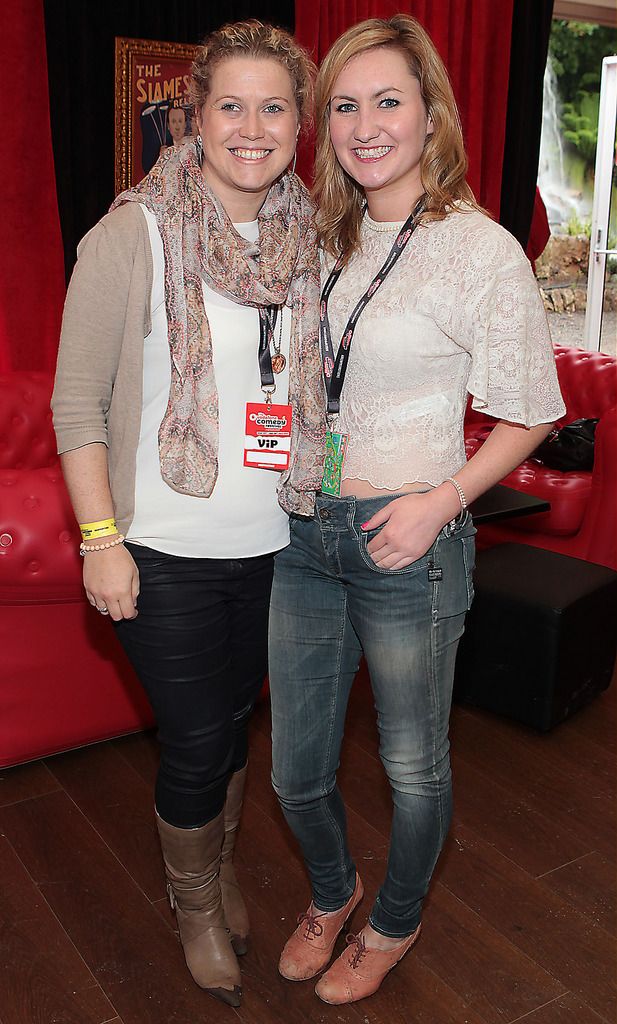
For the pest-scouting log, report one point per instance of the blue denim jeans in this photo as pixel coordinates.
(331, 603)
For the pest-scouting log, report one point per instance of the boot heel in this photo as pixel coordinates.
(240, 944)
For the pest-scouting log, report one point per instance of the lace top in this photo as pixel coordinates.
(459, 312)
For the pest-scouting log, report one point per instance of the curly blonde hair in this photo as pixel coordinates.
(443, 165)
(255, 39)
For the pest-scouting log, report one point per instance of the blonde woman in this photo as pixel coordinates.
(193, 307)
(424, 300)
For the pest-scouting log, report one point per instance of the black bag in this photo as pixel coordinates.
(570, 448)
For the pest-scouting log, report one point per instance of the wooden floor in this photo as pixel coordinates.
(519, 926)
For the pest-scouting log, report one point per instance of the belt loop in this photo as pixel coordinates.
(351, 511)
(456, 524)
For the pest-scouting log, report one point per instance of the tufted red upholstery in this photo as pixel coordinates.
(26, 434)
(581, 521)
(65, 680)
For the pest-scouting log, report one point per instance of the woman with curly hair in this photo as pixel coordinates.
(192, 309)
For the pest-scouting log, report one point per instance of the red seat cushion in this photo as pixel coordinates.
(39, 539)
(27, 439)
(567, 493)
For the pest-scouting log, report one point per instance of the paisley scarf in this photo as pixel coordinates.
(201, 244)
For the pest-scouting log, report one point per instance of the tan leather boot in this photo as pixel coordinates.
(192, 860)
(236, 914)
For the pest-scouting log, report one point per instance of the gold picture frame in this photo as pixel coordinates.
(151, 79)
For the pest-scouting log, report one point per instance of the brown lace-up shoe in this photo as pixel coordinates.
(310, 947)
(359, 970)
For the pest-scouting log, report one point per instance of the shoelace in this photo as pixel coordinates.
(360, 950)
(313, 928)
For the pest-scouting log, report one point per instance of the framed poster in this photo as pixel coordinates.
(152, 108)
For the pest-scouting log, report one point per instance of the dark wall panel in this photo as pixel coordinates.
(531, 28)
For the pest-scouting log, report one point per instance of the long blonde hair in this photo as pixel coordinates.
(255, 39)
(443, 164)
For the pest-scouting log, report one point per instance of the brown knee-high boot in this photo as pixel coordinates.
(236, 914)
(192, 860)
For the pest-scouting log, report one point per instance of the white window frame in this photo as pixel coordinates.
(598, 250)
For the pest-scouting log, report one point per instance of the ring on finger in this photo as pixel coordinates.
(103, 610)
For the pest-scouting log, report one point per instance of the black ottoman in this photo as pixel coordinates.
(541, 637)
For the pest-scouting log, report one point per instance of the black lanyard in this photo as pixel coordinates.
(267, 323)
(334, 369)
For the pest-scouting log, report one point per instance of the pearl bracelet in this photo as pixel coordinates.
(83, 548)
(459, 491)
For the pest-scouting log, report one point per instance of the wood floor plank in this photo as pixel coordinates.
(589, 885)
(565, 798)
(598, 720)
(479, 962)
(501, 815)
(164, 909)
(595, 764)
(24, 782)
(557, 749)
(568, 1009)
(141, 751)
(132, 953)
(498, 945)
(120, 805)
(562, 941)
(42, 976)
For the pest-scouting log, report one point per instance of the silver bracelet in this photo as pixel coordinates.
(459, 491)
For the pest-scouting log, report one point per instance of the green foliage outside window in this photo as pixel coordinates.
(576, 50)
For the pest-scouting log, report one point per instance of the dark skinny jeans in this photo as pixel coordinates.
(199, 648)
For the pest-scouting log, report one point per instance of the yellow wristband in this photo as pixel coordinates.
(104, 528)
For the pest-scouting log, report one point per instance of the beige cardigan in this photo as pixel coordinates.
(98, 390)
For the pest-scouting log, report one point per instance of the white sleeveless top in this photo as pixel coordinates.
(460, 312)
(242, 517)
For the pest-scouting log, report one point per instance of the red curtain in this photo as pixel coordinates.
(31, 261)
(473, 38)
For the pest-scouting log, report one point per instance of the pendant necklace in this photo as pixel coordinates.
(278, 359)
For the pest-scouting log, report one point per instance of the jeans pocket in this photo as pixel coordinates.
(453, 587)
(295, 521)
(364, 538)
(469, 558)
(149, 558)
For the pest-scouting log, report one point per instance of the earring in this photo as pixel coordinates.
(199, 149)
(293, 164)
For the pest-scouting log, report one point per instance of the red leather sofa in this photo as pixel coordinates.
(64, 680)
(582, 521)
